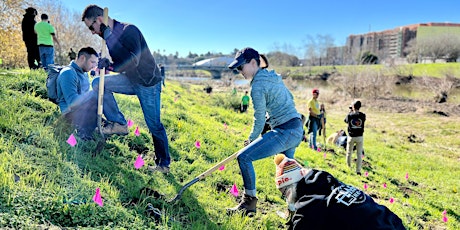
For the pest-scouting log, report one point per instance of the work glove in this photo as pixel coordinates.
(105, 31)
(103, 63)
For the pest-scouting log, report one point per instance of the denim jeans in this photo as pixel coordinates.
(46, 55)
(149, 98)
(282, 139)
(314, 128)
(83, 114)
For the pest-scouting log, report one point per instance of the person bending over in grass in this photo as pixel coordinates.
(77, 102)
(269, 96)
(317, 200)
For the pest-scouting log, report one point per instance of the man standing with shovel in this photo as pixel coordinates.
(138, 75)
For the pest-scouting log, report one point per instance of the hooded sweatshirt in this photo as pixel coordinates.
(270, 96)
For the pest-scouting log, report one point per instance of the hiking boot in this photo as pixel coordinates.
(247, 205)
(115, 128)
(162, 169)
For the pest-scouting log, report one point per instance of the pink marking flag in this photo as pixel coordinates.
(130, 123)
(365, 186)
(97, 197)
(222, 167)
(139, 162)
(234, 190)
(136, 132)
(319, 149)
(225, 125)
(324, 155)
(384, 185)
(445, 219)
(366, 174)
(444, 216)
(197, 144)
(392, 200)
(407, 176)
(71, 140)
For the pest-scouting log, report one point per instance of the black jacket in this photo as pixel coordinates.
(326, 203)
(131, 55)
(28, 33)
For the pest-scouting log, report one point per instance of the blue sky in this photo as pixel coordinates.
(220, 26)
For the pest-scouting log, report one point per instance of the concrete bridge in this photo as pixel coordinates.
(213, 65)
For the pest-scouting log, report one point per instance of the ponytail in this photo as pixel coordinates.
(263, 61)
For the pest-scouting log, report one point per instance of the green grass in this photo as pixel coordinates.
(57, 182)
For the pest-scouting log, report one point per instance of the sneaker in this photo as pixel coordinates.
(247, 205)
(162, 169)
(115, 128)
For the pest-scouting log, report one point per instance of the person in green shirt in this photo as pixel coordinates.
(45, 37)
(245, 102)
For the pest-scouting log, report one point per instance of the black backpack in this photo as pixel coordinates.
(51, 81)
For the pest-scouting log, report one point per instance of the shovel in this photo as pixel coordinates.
(203, 175)
(100, 99)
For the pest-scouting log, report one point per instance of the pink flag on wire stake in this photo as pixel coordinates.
(444, 212)
(384, 185)
(365, 186)
(139, 162)
(234, 190)
(97, 197)
(392, 200)
(407, 176)
(222, 167)
(136, 132)
(130, 123)
(445, 219)
(324, 155)
(71, 140)
(197, 144)
(366, 174)
(225, 125)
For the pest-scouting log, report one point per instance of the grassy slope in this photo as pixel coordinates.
(33, 147)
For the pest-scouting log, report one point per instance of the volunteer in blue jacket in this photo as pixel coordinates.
(75, 99)
(269, 96)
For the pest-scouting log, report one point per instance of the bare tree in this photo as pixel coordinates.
(70, 30)
(435, 47)
(316, 48)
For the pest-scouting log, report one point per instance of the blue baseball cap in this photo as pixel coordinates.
(244, 56)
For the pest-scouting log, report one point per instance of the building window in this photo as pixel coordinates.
(381, 44)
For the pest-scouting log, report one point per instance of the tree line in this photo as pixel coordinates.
(72, 33)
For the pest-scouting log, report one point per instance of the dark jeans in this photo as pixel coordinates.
(149, 98)
(83, 115)
(33, 55)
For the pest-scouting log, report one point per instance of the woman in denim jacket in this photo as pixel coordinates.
(269, 97)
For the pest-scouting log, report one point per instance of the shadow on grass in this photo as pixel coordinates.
(137, 191)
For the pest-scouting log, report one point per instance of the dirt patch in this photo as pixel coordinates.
(402, 105)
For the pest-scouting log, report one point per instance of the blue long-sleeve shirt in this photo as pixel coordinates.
(72, 84)
(131, 55)
(270, 96)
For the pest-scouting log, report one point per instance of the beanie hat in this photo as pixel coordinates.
(288, 171)
(315, 91)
